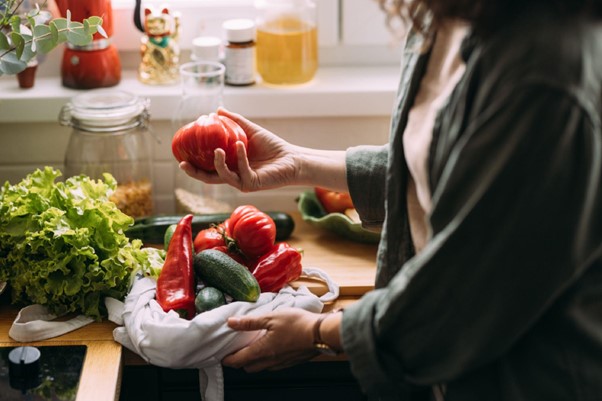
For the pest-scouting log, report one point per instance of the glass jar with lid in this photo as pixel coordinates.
(110, 134)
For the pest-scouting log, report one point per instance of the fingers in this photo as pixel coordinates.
(287, 340)
(248, 323)
(244, 168)
(248, 126)
(254, 354)
(201, 175)
(228, 176)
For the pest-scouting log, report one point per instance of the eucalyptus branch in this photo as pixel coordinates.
(17, 48)
(49, 35)
(10, 11)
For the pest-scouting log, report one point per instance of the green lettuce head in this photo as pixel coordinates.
(62, 244)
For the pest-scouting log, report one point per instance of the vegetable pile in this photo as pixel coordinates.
(238, 258)
(62, 244)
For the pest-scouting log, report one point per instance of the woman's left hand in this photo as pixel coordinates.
(288, 340)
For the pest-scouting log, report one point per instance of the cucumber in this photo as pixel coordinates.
(151, 230)
(168, 234)
(216, 269)
(209, 298)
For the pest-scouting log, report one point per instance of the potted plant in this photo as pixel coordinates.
(24, 35)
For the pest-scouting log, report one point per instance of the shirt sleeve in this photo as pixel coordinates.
(366, 169)
(515, 220)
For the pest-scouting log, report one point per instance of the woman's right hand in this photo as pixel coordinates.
(269, 162)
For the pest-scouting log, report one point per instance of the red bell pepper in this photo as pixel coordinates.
(176, 282)
(278, 267)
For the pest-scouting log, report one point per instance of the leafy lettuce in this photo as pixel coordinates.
(62, 244)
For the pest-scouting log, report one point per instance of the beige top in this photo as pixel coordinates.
(444, 69)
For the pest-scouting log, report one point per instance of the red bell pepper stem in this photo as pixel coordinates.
(176, 282)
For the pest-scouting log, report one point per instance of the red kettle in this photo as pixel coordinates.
(97, 64)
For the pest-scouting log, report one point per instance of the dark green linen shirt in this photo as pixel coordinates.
(505, 301)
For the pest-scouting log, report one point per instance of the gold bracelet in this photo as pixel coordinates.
(319, 344)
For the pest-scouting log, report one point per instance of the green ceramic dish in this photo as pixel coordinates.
(312, 212)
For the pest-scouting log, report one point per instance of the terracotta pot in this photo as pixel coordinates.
(27, 77)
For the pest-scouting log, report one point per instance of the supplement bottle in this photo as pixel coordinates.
(239, 52)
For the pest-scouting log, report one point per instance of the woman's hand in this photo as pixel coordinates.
(288, 340)
(269, 163)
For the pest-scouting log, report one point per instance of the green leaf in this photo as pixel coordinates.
(54, 32)
(41, 30)
(28, 53)
(10, 64)
(86, 27)
(18, 43)
(44, 38)
(96, 26)
(32, 22)
(4, 45)
(60, 23)
(94, 20)
(61, 26)
(15, 23)
(77, 35)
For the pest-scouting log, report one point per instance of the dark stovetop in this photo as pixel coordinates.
(56, 380)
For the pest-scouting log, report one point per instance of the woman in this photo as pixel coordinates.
(489, 271)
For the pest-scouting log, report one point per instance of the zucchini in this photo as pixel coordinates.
(151, 230)
(216, 269)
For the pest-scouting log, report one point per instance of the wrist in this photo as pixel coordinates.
(325, 168)
(326, 333)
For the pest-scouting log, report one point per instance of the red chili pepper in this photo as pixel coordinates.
(278, 267)
(176, 282)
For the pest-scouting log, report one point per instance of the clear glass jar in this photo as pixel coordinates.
(287, 41)
(202, 93)
(110, 134)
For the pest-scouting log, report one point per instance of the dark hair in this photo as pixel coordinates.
(486, 16)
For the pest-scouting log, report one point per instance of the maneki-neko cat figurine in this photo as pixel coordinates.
(160, 50)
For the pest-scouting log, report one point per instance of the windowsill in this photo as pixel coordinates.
(335, 91)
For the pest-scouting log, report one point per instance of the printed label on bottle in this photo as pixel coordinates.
(240, 65)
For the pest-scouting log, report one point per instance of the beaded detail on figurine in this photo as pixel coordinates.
(160, 50)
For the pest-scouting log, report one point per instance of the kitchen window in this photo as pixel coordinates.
(350, 32)
(357, 76)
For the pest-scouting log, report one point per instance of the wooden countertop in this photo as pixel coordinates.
(351, 265)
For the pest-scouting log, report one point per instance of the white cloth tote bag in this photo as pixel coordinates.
(165, 339)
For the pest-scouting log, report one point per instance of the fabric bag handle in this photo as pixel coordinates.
(35, 323)
(316, 273)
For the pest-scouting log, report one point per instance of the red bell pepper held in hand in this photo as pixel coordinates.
(278, 267)
(176, 282)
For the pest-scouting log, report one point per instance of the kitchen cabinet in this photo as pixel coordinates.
(311, 380)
